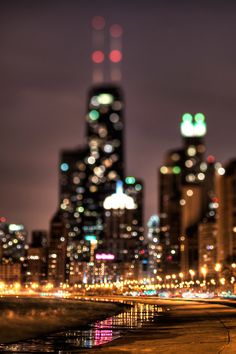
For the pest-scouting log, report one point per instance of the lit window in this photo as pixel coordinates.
(114, 118)
(191, 151)
(130, 180)
(138, 187)
(164, 170)
(189, 163)
(175, 157)
(105, 98)
(221, 171)
(189, 192)
(176, 170)
(94, 115)
(91, 160)
(64, 167)
(201, 176)
(108, 148)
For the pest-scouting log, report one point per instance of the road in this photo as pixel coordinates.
(186, 327)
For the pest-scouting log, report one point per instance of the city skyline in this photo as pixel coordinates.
(29, 178)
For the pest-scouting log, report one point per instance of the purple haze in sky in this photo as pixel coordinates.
(178, 57)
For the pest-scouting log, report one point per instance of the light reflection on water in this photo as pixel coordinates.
(101, 332)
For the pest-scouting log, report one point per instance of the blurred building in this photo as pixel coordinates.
(10, 272)
(207, 240)
(187, 193)
(37, 254)
(154, 246)
(123, 243)
(227, 213)
(87, 176)
(39, 238)
(13, 239)
(58, 266)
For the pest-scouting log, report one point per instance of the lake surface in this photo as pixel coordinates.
(98, 333)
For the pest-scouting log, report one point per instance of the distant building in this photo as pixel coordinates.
(13, 239)
(154, 246)
(187, 192)
(39, 238)
(227, 213)
(37, 255)
(58, 266)
(10, 272)
(207, 234)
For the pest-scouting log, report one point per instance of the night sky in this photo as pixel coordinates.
(178, 57)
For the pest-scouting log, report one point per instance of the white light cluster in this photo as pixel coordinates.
(119, 200)
(14, 227)
(193, 126)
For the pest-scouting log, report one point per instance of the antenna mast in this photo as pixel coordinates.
(97, 56)
(115, 54)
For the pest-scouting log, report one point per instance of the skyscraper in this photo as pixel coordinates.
(227, 213)
(87, 176)
(184, 196)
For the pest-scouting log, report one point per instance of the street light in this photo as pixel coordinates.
(218, 267)
(204, 273)
(192, 273)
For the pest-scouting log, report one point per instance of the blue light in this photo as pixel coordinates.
(90, 238)
(119, 187)
(64, 167)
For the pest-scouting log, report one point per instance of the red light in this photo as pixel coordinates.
(97, 56)
(169, 258)
(211, 159)
(3, 219)
(115, 56)
(141, 252)
(98, 22)
(116, 31)
(215, 200)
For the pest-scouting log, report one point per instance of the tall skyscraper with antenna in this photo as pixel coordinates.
(88, 175)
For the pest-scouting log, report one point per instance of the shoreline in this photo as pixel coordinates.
(27, 318)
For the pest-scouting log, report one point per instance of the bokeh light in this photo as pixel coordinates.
(115, 56)
(98, 22)
(116, 31)
(97, 56)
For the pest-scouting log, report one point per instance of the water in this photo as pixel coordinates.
(99, 333)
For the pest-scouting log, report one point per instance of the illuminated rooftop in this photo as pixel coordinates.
(119, 200)
(193, 125)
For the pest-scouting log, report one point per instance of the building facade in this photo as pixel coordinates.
(87, 176)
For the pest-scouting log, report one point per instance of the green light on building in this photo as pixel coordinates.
(138, 187)
(199, 117)
(187, 117)
(94, 115)
(190, 127)
(130, 180)
(176, 170)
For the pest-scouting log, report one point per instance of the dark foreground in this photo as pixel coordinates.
(159, 326)
(22, 318)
